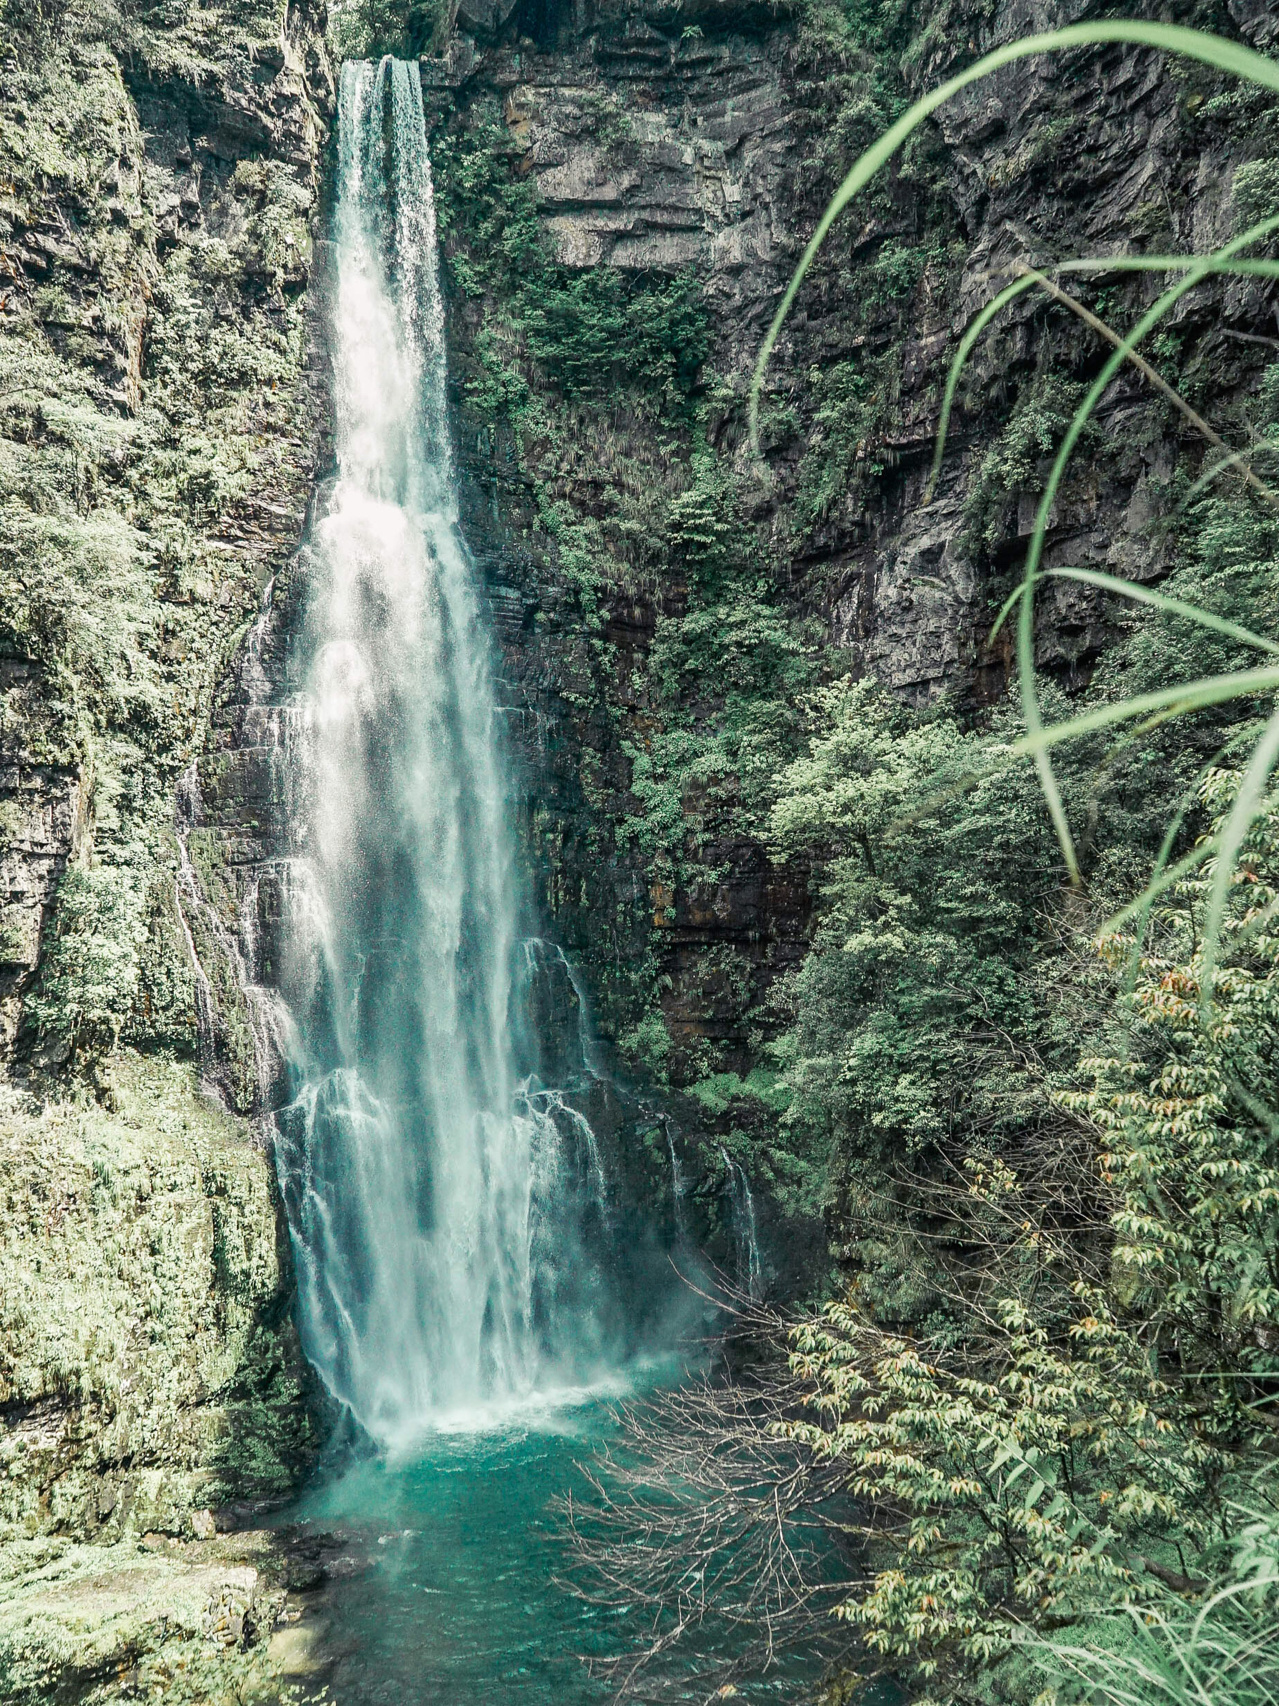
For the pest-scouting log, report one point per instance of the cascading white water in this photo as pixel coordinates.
(435, 1202)
(743, 1224)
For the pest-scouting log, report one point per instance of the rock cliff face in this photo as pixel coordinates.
(156, 458)
(158, 416)
(157, 439)
(658, 142)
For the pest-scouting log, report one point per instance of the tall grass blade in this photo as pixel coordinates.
(1249, 803)
(1030, 276)
(1188, 696)
(1161, 601)
(1025, 626)
(1168, 38)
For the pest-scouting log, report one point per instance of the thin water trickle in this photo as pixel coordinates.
(678, 1187)
(441, 1211)
(744, 1226)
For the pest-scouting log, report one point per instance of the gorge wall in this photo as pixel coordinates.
(626, 190)
(623, 191)
(159, 415)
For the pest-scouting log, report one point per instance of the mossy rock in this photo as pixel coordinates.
(149, 1365)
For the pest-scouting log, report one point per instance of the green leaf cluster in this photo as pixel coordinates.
(1047, 1466)
(366, 29)
(89, 963)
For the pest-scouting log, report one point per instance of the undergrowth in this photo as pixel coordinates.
(1027, 1070)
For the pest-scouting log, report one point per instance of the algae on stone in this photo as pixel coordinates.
(149, 1367)
(97, 1623)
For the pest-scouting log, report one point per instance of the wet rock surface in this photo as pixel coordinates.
(247, 1610)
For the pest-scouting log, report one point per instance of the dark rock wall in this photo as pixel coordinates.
(701, 181)
(660, 139)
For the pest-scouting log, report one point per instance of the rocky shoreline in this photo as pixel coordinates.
(244, 1612)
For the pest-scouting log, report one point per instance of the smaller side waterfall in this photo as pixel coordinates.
(679, 1187)
(744, 1226)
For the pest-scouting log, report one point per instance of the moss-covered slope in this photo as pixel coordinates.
(149, 1368)
(157, 188)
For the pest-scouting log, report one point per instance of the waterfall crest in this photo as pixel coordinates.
(437, 1204)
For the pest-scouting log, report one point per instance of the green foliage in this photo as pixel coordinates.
(591, 333)
(852, 403)
(704, 524)
(934, 898)
(1038, 1468)
(1190, 1144)
(719, 1092)
(1075, 1410)
(858, 43)
(1227, 551)
(89, 963)
(649, 1044)
(1168, 1652)
(1255, 192)
(1048, 1488)
(608, 122)
(1014, 464)
(723, 674)
(366, 29)
(487, 213)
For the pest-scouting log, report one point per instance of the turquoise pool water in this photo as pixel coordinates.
(461, 1604)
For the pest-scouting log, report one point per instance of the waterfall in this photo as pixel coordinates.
(744, 1226)
(678, 1187)
(436, 1202)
